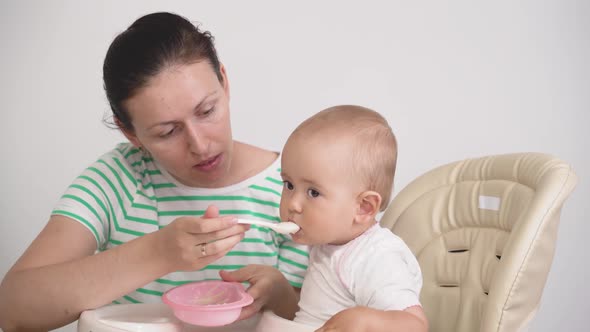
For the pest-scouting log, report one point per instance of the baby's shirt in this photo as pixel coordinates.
(377, 270)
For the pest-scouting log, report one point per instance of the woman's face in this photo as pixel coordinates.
(182, 118)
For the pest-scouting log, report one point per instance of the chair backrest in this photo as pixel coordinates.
(484, 233)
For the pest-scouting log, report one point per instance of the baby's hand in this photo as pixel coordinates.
(410, 319)
(353, 320)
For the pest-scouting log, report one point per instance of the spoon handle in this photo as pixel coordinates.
(256, 222)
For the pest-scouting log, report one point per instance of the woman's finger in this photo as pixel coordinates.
(227, 232)
(250, 310)
(207, 253)
(208, 225)
(240, 275)
(220, 247)
(222, 234)
(212, 211)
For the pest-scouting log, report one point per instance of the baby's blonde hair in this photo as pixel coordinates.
(373, 143)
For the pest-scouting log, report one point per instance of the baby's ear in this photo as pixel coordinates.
(369, 203)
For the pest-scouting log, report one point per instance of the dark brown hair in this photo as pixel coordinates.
(152, 43)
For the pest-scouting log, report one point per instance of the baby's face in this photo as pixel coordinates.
(318, 193)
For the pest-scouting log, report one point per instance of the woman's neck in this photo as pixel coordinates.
(248, 160)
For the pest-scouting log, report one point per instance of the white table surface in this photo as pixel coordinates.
(157, 317)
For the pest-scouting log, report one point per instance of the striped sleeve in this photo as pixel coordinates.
(86, 201)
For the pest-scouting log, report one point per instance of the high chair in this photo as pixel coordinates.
(484, 233)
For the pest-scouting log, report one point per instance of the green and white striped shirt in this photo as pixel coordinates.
(125, 194)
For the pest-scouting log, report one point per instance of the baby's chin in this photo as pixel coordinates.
(300, 238)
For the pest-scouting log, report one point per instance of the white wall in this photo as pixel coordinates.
(455, 80)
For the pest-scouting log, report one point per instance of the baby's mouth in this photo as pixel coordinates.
(300, 229)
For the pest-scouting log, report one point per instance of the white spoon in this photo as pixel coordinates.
(280, 227)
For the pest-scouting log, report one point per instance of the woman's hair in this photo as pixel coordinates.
(152, 43)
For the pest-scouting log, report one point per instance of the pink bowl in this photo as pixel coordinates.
(207, 303)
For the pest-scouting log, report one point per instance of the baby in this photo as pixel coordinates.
(338, 168)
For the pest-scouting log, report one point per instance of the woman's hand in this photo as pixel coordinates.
(269, 288)
(191, 243)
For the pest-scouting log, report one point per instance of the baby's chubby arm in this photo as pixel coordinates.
(359, 319)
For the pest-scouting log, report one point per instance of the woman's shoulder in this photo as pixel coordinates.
(255, 160)
(121, 150)
(125, 159)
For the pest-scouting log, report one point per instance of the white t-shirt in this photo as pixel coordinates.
(126, 194)
(376, 270)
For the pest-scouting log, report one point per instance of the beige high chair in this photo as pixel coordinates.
(484, 233)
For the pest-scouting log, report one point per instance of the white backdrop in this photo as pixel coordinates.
(456, 80)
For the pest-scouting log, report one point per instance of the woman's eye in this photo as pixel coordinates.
(313, 193)
(207, 112)
(168, 133)
(288, 185)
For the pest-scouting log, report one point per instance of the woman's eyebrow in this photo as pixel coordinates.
(206, 98)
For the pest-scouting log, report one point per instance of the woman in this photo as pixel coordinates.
(160, 210)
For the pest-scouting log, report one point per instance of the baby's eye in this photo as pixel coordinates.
(288, 185)
(313, 193)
